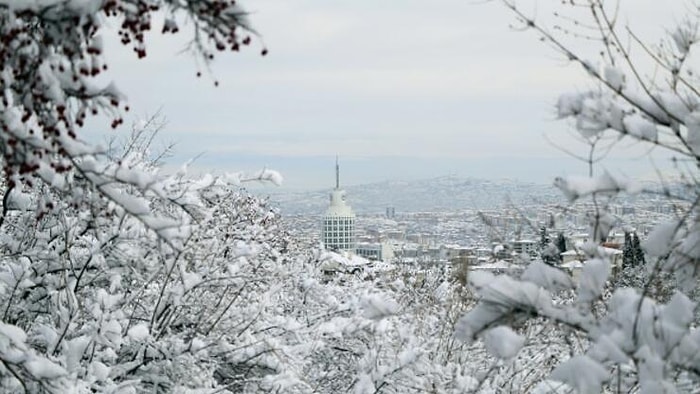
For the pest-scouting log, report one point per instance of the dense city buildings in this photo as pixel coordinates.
(490, 238)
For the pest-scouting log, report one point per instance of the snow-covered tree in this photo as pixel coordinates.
(561, 243)
(544, 238)
(52, 53)
(115, 277)
(635, 338)
(638, 251)
(155, 283)
(628, 252)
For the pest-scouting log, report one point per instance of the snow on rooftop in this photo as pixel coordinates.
(573, 264)
(345, 259)
(571, 253)
(496, 265)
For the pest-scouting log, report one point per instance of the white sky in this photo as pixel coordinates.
(398, 89)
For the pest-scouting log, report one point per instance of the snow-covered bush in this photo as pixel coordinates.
(634, 338)
(114, 277)
(131, 279)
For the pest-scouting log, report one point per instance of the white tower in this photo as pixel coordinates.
(339, 221)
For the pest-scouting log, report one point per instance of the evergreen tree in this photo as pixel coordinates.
(548, 251)
(561, 243)
(544, 238)
(628, 255)
(637, 251)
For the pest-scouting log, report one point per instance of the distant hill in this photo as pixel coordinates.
(447, 193)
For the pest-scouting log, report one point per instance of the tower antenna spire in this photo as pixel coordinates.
(337, 173)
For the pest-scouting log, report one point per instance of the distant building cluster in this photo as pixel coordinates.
(496, 239)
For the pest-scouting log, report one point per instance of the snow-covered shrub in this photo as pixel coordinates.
(636, 333)
(129, 279)
(113, 276)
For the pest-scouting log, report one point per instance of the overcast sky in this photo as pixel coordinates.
(398, 89)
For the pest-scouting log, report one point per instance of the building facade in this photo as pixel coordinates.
(338, 230)
(382, 251)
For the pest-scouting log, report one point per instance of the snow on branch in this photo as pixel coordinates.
(577, 187)
(49, 76)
